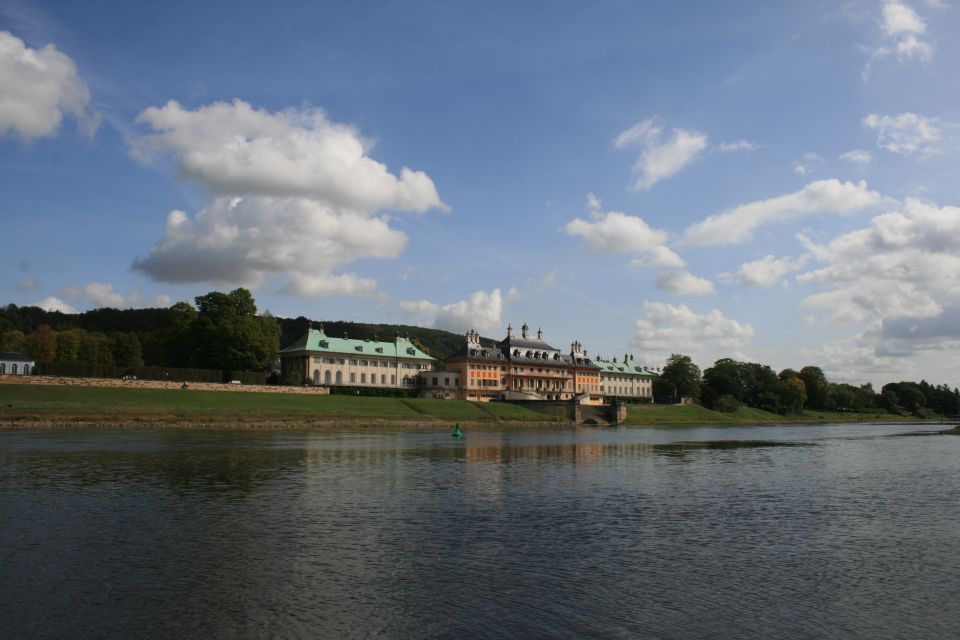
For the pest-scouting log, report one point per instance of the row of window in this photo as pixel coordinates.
(368, 363)
(336, 378)
(13, 369)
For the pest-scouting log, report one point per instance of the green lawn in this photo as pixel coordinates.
(39, 403)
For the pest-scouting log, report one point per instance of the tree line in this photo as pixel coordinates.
(730, 384)
(217, 331)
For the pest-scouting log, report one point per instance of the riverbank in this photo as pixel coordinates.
(37, 402)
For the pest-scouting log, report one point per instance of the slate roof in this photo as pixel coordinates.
(317, 341)
(11, 356)
(608, 366)
(502, 353)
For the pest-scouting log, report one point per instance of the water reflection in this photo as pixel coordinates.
(569, 534)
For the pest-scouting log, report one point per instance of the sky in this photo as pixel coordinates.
(771, 182)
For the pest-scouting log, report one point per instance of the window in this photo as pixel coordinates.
(339, 377)
(363, 378)
(363, 363)
(316, 359)
(446, 382)
(353, 377)
(326, 377)
(26, 369)
(383, 378)
(328, 361)
(341, 361)
(434, 380)
(393, 379)
(13, 369)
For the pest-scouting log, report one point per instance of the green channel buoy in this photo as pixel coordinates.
(457, 433)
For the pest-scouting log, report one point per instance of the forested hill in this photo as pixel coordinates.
(151, 326)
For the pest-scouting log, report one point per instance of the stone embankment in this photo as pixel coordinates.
(159, 384)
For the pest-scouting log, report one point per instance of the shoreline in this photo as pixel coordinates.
(49, 402)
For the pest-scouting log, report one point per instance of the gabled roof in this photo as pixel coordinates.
(317, 341)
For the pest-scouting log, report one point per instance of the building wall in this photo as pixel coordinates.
(357, 370)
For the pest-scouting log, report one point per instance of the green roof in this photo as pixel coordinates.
(317, 341)
(608, 366)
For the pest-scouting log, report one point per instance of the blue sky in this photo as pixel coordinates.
(774, 182)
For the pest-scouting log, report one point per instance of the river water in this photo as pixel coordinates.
(835, 531)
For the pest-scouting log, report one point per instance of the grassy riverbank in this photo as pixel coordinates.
(35, 405)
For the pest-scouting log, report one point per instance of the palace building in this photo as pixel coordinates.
(524, 368)
(625, 379)
(325, 360)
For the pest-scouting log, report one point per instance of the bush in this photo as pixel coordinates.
(727, 403)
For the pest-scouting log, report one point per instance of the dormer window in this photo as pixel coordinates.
(379, 349)
(359, 347)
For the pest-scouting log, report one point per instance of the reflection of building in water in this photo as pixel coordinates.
(523, 368)
(583, 453)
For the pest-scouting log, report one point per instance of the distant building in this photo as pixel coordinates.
(15, 364)
(625, 379)
(329, 361)
(441, 385)
(524, 368)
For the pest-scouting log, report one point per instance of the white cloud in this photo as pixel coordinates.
(902, 30)
(906, 263)
(768, 271)
(162, 301)
(234, 149)
(55, 304)
(823, 196)
(101, 295)
(40, 86)
(905, 133)
(659, 160)
(857, 157)
(739, 145)
(678, 328)
(684, 283)
(899, 19)
(481, 311)
(294, 196)
(419, 307)
(240, 241)
(617, 232)
(808, 164)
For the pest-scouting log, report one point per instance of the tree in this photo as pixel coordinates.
(684, 375)
(42, 344)
(14, 341)
(127, 352)
(817, 389)
(68, 346)
(794, 395)
(227, 333)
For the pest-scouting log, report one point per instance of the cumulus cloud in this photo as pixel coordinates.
(856, 360)
(905, 133)
(292, 195)
(936, 332)
(768, 270)
(902, 31)
(681, 329)
(40, 86)
(684, 283)
(905, 264)
(481, 311)
(857, 157)
(823, 196)
(55, 304)
(659, 159)
(100, 294)
(238, 241)
(617, 232)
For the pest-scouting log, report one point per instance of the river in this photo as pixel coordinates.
(827, 531)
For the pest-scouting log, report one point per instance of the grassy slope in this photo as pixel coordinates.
(29, 403)
(694, 414)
